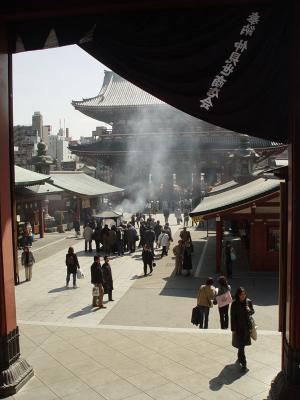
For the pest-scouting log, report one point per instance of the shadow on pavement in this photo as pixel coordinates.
(57, 290)
(83, 311)
(134, 277)
(228, 375)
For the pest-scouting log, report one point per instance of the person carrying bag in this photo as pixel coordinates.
(97, 281)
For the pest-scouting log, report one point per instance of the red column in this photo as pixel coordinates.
(219, 232)
(14, 371)
(41, 220)
(286, 385)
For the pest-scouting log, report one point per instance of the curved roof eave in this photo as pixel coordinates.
(25, 177)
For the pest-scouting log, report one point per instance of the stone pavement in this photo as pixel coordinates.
(143, 345)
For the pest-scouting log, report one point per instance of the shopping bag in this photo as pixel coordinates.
(253, 331)
(224, 299)
(79, 274)
(195, 316)
(95, 291)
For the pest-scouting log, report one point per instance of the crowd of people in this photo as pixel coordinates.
(154, 239)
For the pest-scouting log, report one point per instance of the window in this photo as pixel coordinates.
(273, 239)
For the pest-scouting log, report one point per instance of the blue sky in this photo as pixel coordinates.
(48, 80)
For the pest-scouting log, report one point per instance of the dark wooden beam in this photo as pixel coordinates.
(33, 9)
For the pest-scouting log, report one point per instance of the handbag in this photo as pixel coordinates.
(79, 274)
(195, 316)
(224, 299)
(95, 291)
(253, 331)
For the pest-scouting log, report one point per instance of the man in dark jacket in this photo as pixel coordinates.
(132, 236)
(148, 258)
(150, 238)
(97, 281)
(105, 239)
(120, 241)
(107, 278)
(157, 230)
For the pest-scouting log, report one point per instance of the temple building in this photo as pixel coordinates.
(146, 138)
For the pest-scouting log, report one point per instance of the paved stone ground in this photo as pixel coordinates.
(143, 345)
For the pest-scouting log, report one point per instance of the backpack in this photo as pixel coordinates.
(71, 259)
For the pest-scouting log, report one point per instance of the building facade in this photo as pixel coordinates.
(26, 140)
(58, 149)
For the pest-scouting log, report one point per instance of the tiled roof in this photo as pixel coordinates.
(237, 196)
(25, 177)
(82, 184)
(118, 92)
(222, 188)
(39, 190)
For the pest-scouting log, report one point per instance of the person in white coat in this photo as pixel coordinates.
(164, 242)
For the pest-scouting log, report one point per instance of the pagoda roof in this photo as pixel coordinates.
(117, 92)
(183, 143)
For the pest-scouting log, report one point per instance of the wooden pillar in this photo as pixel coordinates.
(14, 371)
(287, 383)
(219, 232)
(78, 208)
(41, 220)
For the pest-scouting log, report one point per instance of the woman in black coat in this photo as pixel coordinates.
(148, 258)
(107, 278)
(187, 264)
(72, 266)
(240, 312)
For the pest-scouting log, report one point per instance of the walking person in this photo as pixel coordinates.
(27, 260)
(223, 289)
(147, 256)
(186, 218)
(76, 226)
(150, 238)
(240, 312)
(88, 235)
(178, 253)
(166, 213)
(206, 294)
(157, 230)
(178, 215)
(97, 281)
(105, 239)
(167, 229)
(187, 264)
(72, 266)
(107, 278)
(185, 235)
(120, 241)
(230, 257)
(164, 242)
(132, 238)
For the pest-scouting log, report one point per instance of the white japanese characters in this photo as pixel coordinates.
(228, 68)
